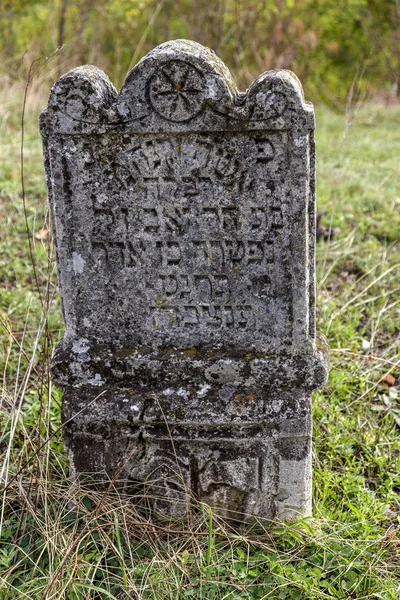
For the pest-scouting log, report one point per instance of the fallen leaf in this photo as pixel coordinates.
(388, 379)
(392, 535)
(42, 234)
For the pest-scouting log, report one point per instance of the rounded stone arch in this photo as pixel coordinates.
(178, 80)
(274, 94)
(83, 94)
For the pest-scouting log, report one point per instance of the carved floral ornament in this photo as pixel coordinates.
(176, 91)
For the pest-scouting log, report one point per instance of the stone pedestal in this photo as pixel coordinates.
(184, 221)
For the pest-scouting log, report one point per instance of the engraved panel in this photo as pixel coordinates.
(187, 232)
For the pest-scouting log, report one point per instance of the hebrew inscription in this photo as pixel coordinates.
(196, 228)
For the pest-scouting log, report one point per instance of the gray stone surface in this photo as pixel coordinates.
(183, 216)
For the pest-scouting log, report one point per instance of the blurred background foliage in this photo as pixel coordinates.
(330, 44)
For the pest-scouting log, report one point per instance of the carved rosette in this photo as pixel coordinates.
(176, 91)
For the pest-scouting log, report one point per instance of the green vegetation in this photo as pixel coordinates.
(327, 43)
(59, 541)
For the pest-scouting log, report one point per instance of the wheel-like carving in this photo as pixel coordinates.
(268, 105)
(177, 91)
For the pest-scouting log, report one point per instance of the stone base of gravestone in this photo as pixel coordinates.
(233, 433)
(183, 215)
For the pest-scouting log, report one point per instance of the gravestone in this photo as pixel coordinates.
(183, 217)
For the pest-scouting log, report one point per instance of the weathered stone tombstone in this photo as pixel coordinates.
(183, 216)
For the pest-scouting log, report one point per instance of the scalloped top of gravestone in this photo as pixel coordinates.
(183, 216)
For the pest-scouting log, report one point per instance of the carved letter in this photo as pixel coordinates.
(190, 317)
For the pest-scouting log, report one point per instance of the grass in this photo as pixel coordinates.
(59, 540)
